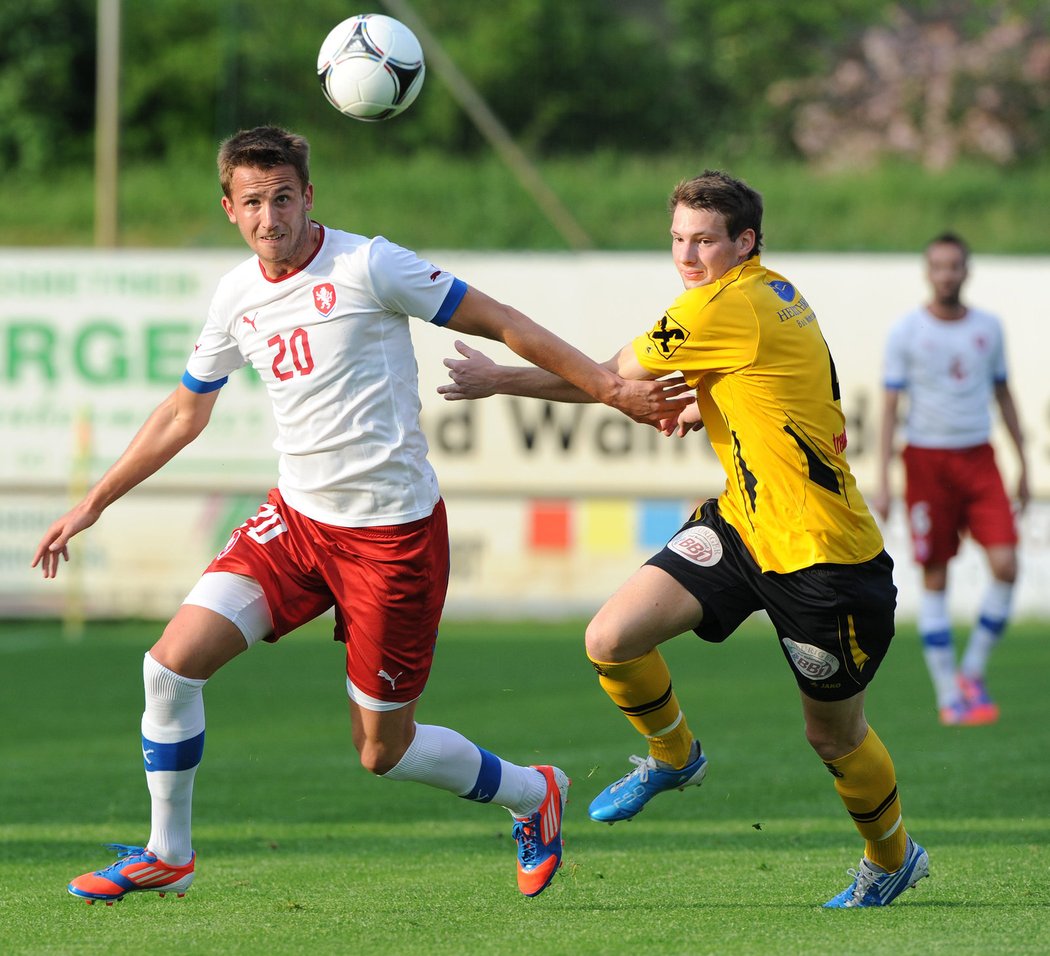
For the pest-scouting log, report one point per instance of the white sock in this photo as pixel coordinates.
(936, 631)
(991, 622)
(443, 758)
(172, 746)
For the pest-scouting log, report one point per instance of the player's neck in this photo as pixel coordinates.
(947, 311)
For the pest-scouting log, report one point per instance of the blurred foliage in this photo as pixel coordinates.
(639, 76)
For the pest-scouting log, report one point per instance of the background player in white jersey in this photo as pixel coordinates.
(950, 360)
(356, 520)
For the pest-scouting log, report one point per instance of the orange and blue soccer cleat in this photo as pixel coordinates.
(136, 869)
(962, 714)
(982, 709)
(539, 836)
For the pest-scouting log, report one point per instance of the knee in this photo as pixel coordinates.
(604, 641)
(378, 757)
(1004, 567)
(832, 740)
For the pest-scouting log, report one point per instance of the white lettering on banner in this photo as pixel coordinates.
(99, 338)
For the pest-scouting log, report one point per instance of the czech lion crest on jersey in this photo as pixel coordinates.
(324, 298)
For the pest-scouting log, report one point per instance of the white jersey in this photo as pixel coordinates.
(331, 343)
(949, 370)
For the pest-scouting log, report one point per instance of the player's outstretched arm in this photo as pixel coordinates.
(636, 395)
(477, 376)
(179, 419)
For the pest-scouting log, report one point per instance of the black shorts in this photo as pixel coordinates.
(834, 621)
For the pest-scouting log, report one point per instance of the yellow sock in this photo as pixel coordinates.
(867, 784)
(641, 688)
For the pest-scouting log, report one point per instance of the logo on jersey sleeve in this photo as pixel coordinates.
(324, 298)
(700, 545)
(667, 335)
(784, 290)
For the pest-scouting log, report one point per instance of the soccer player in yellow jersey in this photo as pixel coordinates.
(790, 533)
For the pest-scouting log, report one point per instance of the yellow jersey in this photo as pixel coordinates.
(765, 382)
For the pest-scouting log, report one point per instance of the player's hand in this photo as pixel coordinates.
(55, 542)
(1023, 493)
(688, 420)
(652, 402)
(473, 376)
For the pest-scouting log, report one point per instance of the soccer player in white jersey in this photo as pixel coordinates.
(950, 360)
(356, 520)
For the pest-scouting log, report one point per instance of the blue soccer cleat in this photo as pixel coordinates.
(136, 869)
(539, 835)
(873, 886)
(623, 799)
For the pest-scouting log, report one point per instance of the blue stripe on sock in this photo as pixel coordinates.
(489, 777)
(184, 755)
(937, 638)
(993, 627)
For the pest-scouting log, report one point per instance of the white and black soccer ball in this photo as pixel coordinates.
(371, 67)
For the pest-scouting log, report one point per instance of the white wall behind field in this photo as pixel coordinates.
(90, 341)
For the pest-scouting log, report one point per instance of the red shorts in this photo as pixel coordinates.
(387, 585)
(952, 491)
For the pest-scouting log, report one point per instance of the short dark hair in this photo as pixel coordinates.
(263, 148)
(738, 203)
(949, 238)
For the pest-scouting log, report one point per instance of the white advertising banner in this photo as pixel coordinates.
(550, 506)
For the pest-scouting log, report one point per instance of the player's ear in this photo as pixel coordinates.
(745, 243)
(308, 196)
(227, 207)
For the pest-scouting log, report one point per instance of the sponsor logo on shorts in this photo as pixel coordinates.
(393, 680)
(700, 545)
(810, 661)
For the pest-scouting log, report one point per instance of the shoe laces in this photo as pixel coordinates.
(865, 877)
(642, 766)
(524, 832)
(123, 851)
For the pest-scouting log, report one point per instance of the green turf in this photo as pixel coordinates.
(301, 851)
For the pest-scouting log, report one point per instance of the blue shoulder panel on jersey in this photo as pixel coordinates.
(202, 388)
(451, 303)
(895, 386)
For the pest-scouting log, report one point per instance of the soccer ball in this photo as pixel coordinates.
(371, 67)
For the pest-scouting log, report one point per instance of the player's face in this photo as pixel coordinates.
(271, 209)
(946, 270)
(701, 247)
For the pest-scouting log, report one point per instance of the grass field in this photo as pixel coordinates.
(301, 851)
